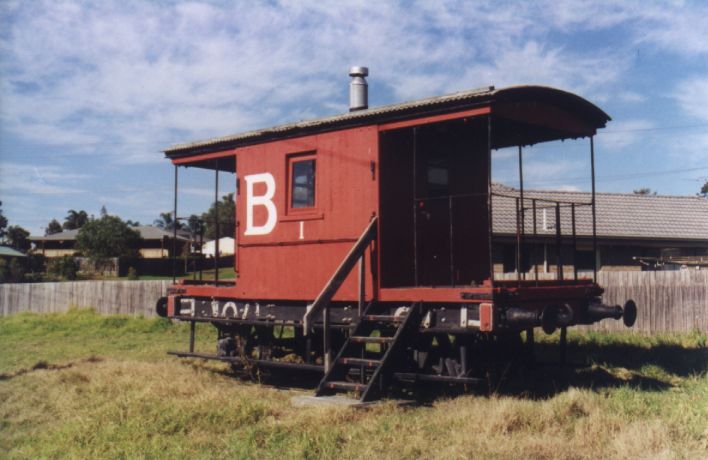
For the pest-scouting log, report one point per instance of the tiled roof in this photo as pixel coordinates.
(619, 215)
(147, 232)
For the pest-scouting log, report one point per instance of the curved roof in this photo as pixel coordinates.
(590, 114)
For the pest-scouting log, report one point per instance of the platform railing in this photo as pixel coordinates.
(542, 204)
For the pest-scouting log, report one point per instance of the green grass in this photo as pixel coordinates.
(225, 273)
(80, 385)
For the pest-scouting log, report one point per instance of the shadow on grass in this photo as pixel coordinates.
(589, 366)
(43, 365)
(597, 366)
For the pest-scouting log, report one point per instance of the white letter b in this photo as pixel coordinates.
(261, 200)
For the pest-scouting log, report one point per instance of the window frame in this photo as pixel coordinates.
(291, 160)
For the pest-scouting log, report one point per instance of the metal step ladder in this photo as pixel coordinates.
(394, 332)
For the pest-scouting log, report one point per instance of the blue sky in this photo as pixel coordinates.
(90, 92)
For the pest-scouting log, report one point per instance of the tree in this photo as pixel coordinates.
(132, 223)
(53, 227)
(101, 239)
(75, 219)
(227, 218)
(195, 225)
(704, 190)
(166, 222)
(644, 191)
(18, 237)
(3, 224)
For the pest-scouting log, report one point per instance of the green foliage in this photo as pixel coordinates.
(75, 219)
(3, 224)
(101, 239)
(195, 225)
(644, 191)
(12, 270)
(53, 227)
(226, 216)
(704, 189)
(166, 222)
(18, 238)
(5, 271)
(132, 273)
(63, 267)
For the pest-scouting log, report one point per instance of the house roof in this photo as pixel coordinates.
(619, 215)
(591, 114)
(10, 252)
(147, 232)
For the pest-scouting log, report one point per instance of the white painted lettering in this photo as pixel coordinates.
(265, 200)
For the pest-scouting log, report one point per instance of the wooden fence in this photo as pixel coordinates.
(668, 301)
(106, 297)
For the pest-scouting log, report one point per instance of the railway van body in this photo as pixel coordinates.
(368, 237)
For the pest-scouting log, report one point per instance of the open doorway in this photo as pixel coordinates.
(434, 217)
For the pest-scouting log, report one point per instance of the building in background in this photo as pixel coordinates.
(634, 232)
(226, 247)
(156, 243)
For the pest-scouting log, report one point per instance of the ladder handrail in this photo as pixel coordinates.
(335, 282)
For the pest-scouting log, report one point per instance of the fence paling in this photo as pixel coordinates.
(106, 297)
(675, 301)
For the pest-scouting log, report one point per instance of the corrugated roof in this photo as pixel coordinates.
(147, 232)
(384, 113)
(619, 215)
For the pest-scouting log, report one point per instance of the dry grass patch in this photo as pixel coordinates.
(117, 397)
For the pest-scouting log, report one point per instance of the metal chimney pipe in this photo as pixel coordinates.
(358, 89)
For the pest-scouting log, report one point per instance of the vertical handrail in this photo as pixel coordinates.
(216, 221)
(535, 242)
(559, 255)
(518, 244)
(490, 226)
(362, 283)
(575, 243)
(594, 217)
(415, 207)
(521, 195)
(452, 236)
(327, 346)
(174, 231)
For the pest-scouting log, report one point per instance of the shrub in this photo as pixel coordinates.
(65, 267)
(132, 273)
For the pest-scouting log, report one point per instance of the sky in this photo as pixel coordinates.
(92, 92)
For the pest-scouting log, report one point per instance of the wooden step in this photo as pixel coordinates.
(361, 339)
(346, 386)
(360, 362)
(384, 318)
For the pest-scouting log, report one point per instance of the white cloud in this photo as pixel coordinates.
(121, 80)
(623, 133)
(17, 179)
(104, 72)
(692, 97)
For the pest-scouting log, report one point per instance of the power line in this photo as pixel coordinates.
(165, 143)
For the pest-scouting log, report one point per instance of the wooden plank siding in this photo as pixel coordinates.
(668, 301)
(106, 297)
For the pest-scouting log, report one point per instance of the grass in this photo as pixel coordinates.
(80, 385)
(225, 273)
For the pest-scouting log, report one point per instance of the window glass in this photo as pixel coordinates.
(303, 184)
